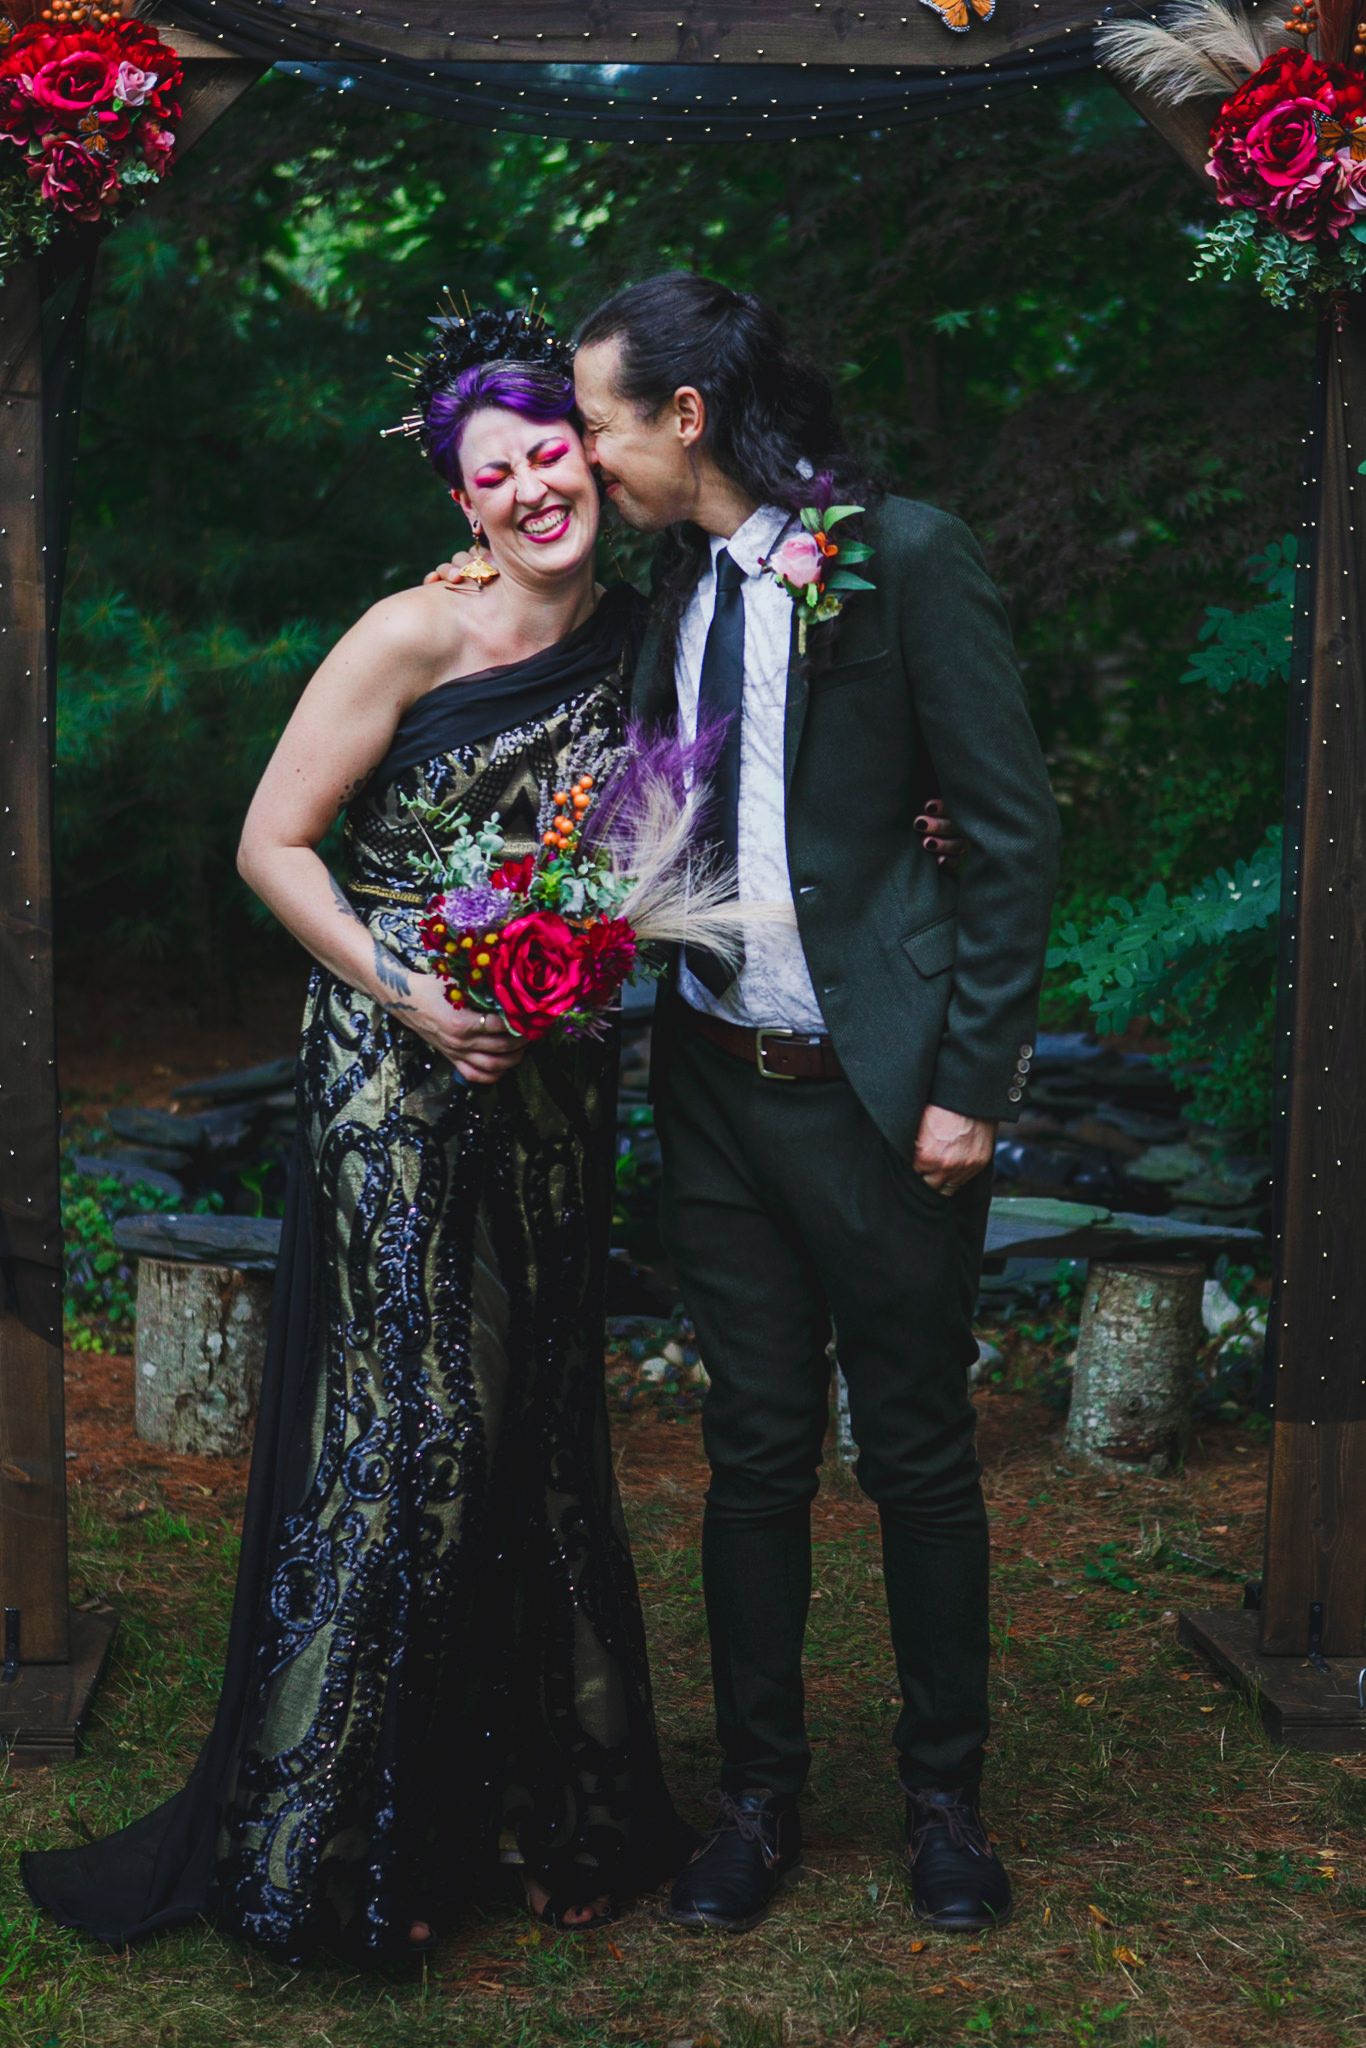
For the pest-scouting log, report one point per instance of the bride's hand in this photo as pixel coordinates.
(476, 1042)
(448, 574)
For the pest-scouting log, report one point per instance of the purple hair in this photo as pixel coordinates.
(532, 389)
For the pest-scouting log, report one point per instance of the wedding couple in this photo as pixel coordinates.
(437, 1662)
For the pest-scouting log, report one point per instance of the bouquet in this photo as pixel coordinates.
(87, 105)
(548, 939)
(1288, 145)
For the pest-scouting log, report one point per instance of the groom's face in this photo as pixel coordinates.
(646, 465)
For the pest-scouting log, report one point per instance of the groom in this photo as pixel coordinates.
(828, 1113)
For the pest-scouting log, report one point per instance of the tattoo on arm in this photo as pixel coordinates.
(343, 902)
(352, 790)
(392, 977)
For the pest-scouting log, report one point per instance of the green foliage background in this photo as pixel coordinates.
(1004, 296)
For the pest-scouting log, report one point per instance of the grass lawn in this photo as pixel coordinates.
(1179, 1880)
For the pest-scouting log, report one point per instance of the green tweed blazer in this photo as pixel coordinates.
(928, 982)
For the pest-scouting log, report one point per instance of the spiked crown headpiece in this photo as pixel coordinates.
(469, 340)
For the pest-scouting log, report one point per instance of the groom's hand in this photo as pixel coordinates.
(448, 573)
(951, 1150)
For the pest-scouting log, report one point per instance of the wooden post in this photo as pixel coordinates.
(33, 1563)
(1314, 1587)
(32, 1426)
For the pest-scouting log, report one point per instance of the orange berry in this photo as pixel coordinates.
(585, 782)
(562, 796)
(582, 803)
(548, 839)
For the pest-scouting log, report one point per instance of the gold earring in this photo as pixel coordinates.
(479, 569)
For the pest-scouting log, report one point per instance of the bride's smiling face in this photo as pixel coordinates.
(528, 484)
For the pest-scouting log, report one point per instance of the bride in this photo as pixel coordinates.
(436, 1661)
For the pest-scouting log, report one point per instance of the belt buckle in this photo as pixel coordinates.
(767, 1072)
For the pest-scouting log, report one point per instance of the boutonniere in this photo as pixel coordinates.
(816, 571)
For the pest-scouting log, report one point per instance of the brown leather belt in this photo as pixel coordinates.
(778, 1055)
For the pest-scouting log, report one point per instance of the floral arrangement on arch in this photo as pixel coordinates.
(1288, 145)
(87, 116)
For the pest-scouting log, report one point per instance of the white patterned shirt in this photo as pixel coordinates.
(773, 989)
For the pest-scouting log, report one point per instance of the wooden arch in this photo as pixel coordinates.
(1314, 1598)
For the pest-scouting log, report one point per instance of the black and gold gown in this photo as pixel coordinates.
(436, 1658)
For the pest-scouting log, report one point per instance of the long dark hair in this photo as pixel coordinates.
(771, 425)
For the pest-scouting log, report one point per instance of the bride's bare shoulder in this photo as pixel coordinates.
(421, 627)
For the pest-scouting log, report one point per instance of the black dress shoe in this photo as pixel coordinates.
(958, 1882)
(752, 1852)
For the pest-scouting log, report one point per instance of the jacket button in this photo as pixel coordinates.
(1016, 1094)
(1026, 1052)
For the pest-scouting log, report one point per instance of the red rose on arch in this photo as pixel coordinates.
(609, 956)
(538, 972)
(74, 181)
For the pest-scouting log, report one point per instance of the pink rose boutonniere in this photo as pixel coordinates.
(804, 563)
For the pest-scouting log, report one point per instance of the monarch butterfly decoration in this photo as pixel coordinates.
(957, 14)
(1334, 135)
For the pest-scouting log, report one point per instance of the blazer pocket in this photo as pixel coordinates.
(934, 948)
(841, 673)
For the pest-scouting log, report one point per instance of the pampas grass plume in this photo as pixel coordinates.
(1199, 49)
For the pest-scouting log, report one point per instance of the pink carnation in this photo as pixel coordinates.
(798, 560)
(157, 146)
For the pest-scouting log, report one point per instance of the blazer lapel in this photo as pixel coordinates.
(798, 691)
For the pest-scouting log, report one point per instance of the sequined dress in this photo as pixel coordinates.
(437, 1659)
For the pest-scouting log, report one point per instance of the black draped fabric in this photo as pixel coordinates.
(436, 1661)
(408, 56)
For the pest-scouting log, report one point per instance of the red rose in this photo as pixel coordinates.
(609, 955)
(516, 875)
(537, 972)
(75, 80)
(75, 182)
(1286, 75)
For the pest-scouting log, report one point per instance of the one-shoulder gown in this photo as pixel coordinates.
(436, 1659)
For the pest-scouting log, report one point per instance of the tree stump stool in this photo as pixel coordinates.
(1135, 1374)
(204, 1293)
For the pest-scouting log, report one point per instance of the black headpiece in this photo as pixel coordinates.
(483, 334)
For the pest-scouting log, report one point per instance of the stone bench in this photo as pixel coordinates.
(203, 1309)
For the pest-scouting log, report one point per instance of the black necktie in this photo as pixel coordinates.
(720, 696)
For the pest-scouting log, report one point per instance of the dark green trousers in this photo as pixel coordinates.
(786, 1210)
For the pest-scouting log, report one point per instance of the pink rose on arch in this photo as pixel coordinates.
(157, 144)
(73, 82)
(798, 560)
(1284, 143)
(1312, 208)
(76, 182)
(1351, 191)
(132, 85)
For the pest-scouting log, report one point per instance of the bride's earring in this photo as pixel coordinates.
(479, 569)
